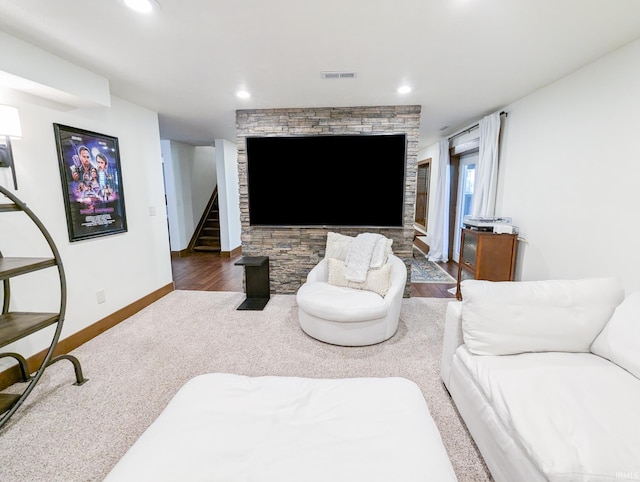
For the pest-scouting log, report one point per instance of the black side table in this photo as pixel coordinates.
(256, 269)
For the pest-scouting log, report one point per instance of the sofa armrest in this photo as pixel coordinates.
(452, 338)
(398, 279)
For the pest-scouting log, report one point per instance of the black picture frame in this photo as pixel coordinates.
(92, 191)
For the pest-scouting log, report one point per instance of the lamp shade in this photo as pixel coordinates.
(10, 122)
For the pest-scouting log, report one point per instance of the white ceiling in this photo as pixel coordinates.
(463, 58)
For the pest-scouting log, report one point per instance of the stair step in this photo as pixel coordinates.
(206, 248)
(420, 243)
(208, 241)
(208, 236)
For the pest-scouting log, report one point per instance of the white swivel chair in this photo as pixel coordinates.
(347, 316)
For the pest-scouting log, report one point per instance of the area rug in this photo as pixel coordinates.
(425, 271)
(66, 433)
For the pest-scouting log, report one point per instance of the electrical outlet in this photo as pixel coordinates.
(152, 210)
(100, 294)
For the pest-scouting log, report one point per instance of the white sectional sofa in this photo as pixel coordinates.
(546, 376)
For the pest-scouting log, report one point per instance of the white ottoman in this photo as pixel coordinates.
(222, 427)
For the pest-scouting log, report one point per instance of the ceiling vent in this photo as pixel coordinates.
(338, 75)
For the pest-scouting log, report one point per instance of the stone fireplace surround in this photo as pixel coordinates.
(293, 251)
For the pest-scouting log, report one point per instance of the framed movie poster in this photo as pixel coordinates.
(91, 182)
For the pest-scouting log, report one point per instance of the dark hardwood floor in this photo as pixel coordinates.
(437, 290)
(212, 272)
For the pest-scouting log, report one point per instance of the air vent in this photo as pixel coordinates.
(338, 75)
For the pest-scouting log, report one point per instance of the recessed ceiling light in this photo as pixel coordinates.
(142, 6)
(243, 94)
(405, 89)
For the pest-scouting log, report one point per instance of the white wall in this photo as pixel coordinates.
(203, 179)
(178, 168)
(27, 68)
(228, 194)
(569, 173)
(127, 266)
(190, 176)
(174, 197)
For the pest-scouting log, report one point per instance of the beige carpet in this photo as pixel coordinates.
(69, 433)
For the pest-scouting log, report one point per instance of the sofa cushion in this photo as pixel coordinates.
(573, 414)
(620, 338)
(337, 246)
(378, 280)
(503, 318)
(336, 303)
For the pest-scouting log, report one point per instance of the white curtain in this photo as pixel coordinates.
(486, 178)
(439, 242)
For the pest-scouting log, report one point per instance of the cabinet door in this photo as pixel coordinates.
(469, 249)
(495, 257)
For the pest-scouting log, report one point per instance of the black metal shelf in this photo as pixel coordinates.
(15, 325)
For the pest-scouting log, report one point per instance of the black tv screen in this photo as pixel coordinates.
(326, 180)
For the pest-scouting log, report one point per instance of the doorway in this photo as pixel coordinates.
(462, 167)
(466, 178)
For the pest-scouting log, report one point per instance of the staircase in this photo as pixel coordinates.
(206, 237)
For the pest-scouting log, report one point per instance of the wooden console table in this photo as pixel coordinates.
(256, 270)
(486, 256)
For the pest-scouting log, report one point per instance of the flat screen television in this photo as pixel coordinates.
(326, 180)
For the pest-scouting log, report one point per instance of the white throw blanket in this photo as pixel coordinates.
(360, 256)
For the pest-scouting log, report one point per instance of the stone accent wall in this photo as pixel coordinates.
(294, 251)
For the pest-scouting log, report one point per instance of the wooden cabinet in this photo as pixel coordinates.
(486, 256)
(15, 325)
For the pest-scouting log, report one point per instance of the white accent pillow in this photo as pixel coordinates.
(378, 279)
(338, 245)
(505, 318)
(620, 339)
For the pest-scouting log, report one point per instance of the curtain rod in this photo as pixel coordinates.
(469, 129)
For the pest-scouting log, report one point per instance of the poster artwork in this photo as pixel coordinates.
(91, 182)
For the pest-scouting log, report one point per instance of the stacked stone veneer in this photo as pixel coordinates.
(294, 251)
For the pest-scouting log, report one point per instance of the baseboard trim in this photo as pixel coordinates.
(234, 252)
(181, 253)
(12, 374)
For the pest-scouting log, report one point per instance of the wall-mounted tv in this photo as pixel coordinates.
(326, 180)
